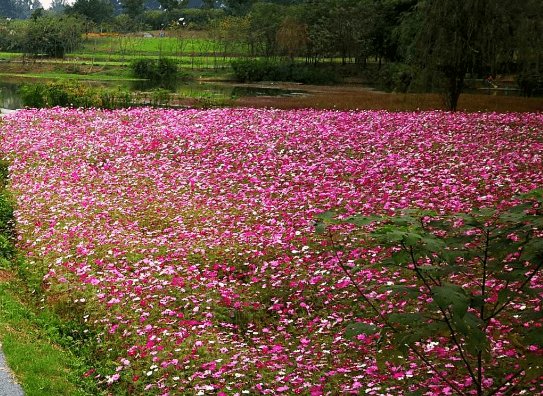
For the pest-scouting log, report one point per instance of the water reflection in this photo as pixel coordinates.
(146, 85)
(243, 91)
(9, 96)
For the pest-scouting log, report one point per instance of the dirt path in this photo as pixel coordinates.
(8, 385)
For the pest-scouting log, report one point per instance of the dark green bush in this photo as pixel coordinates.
(395, 77)
(7, 219)
(471, 270)
(73, 94)
(250, 70)
(33, 95)
(162, 70)
(529, 82)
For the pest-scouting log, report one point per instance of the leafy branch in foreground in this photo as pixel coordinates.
(471, 292)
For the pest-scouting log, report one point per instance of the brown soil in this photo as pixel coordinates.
(6, 276)
(357, 97)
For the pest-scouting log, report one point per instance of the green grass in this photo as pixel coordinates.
(201, 61)
(155, 46)
(35, 341)
(40, 364)
(69, 76)
(9, 55)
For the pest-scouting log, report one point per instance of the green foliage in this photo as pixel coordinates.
(249, 70)
(53, 36)
(164, 71)
(73, 94)
(30, 341)
(38, 345)
(530, 81)
(395, 77)
(194, 18)
(470, 269)
(11, 35)
(133, 8)
(7, 218)
(97, 11)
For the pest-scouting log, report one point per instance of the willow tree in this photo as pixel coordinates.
(447, 41)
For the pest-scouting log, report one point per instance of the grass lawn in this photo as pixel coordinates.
(41, 365)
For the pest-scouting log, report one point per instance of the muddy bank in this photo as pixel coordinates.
(351, 97)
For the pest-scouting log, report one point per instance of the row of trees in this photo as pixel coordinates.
(431, 44)
(423, 44)
(18, 9)
(49, 35)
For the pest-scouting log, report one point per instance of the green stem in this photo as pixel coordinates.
(505, 382)
(387, 323)
(482, 311)
(446, 318)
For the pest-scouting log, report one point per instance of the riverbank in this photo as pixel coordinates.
(214, 87)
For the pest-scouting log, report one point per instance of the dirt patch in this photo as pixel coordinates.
(361, 98)
(6, 276)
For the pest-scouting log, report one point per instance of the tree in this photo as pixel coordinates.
(265, 22)
(58, 6)
(11, 35)
(340, 28)
(447, 42)
(133, 8)
(292, 36)
(52, 35)
(238, 7)
(16, 9)
(97, 11)
(208, 4)
(529, 40)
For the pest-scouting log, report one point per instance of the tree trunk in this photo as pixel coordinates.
(454, 89)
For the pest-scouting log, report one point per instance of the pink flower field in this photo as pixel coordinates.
(185, 240)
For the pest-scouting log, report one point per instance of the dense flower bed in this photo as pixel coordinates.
(185, 239)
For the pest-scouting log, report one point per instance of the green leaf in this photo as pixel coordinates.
(533, 366)
(403, 220)
(401, 289)
(385, 356)
(475, 341)
(520, 208)
(320, 227)
(362, 221)
(390, 235)
(412, 238)
(467, 323)
(327, 216)
(534, 336)
(433, 244)
(476, 302)
(357, 328)
(452, 296)
(533, 250)
(512, 276)
(324, 219)
(408, 319)
(401, 257)
(419, 331)
(536, 194)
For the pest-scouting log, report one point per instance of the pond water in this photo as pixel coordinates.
(10, 98)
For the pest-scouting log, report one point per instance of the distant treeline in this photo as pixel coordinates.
(422, 44)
